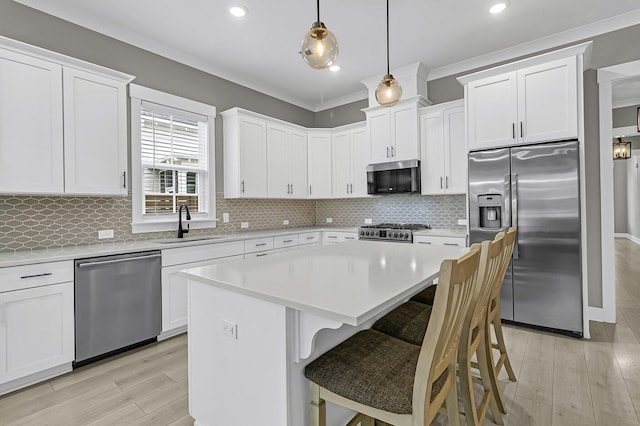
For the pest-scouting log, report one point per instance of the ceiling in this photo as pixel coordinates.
(626, 92)
(260, 51)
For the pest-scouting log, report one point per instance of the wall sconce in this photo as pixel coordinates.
(621, 150)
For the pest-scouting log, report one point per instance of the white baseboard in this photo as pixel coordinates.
(600, 315)
(32, 379)
(171, 333)
(629, 237)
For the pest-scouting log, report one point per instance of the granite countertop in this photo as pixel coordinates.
(349, 282)
(442, 232)
(104, 249)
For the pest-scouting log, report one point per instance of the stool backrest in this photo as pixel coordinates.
(507, 252)
(437, 360)
(491, 263)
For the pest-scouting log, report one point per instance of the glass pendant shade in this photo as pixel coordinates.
(621, 150)
(319, 47)
(388, 92)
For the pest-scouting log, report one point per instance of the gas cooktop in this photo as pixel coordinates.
(397, 232)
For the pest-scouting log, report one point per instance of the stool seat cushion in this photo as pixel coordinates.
(426, 296)
(407, 322)
(371, 368)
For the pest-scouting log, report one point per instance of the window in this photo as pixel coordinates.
(172, 157)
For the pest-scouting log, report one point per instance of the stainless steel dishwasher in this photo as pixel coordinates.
(118, 303)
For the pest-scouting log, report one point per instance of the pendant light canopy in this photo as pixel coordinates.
(388, 92)
(319, 46)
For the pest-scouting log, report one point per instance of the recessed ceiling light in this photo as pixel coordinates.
(335, 68)
(498, 7)
(238, 11)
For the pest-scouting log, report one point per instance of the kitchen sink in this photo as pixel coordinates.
(185, 240)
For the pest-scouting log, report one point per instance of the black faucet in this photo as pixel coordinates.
(181, 231)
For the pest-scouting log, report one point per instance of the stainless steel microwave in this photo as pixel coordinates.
(397, 177)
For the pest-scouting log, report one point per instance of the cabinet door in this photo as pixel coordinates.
(455, 152)
(432, 167)
(360, 158)
(277, 162)
(36, 330)
(320, 165)
(404, 132)
(175, 294)
(492, 109)
(95, 134)
(380, 134)
(341, 151)
(548, 102)
(31, 150)
(297, 163)
(253, 157)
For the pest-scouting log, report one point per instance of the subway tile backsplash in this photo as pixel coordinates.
(39, 222)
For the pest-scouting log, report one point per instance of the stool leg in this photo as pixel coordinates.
(452, 397)
(493, 374)
(497, 325)
(466, 382)
(485, 374)
(317, 407)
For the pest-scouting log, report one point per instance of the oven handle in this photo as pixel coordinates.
(126, 259)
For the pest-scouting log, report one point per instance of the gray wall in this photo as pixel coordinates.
(625, 117)
(344, 114)
(633, 196)
(39, 29)
(620, 196)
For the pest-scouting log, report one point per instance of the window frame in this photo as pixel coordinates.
(169, 222)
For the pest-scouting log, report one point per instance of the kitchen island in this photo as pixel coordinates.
(254, 325)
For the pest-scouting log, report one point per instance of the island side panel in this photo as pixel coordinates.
(236, 382)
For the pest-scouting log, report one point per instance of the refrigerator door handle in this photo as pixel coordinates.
(506, 218)
(514, 206)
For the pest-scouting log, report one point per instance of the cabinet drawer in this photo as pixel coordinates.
(285, 241)
(339, 237)
(35, 275)
(309, 238)
(441, 241)
(178, 255)
(258, 254)
(258, 244)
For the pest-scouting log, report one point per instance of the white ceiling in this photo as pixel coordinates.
(261, 50)
(626, 92)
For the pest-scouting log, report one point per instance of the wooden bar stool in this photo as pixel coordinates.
(381, 377)
(494, 318)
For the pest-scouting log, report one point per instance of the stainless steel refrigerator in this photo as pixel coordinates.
(536, 189)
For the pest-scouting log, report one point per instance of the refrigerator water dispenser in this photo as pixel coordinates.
(490, 206)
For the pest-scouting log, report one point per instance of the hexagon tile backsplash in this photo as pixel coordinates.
(37, 222)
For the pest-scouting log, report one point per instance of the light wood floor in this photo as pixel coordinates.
(562, 381)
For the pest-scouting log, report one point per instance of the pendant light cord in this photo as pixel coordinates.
(387, 36)
(318, 9)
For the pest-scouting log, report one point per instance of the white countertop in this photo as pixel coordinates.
(105, 249)
(349, 282)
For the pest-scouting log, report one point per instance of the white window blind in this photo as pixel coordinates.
(173, 150)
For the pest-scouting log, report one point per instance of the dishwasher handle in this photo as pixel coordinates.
(125, 259)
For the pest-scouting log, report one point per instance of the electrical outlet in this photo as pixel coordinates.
(106, 233)
(368, 221)
(230, 329)
(244, 225)
(285, 222)
(329, 220)
(225, 217)
(462, 221)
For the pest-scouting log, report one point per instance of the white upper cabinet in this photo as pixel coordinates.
(393, 132)
(63, 125)
(286, 162)
(31, 144)
(95, 134)
(350, 158)
(530, 101)
(319, 164)
(443, 148)
(245, 155)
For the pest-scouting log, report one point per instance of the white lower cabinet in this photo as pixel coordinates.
(36, 324)
(174, 286)
(440, 240)
(332, 237)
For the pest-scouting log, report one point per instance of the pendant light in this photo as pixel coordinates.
(621, 150)
(388, 91)
(319, 46)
